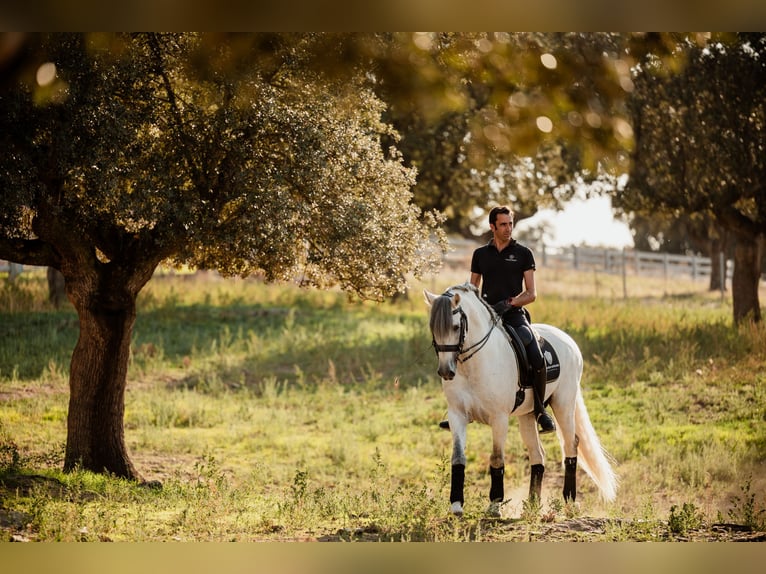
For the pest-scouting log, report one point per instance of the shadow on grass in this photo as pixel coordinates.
(30, 342)
(307, 346)
(332, 347)
(681, 342)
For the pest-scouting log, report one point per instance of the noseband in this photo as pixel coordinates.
(458, 349)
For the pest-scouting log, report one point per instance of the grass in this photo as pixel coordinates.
(271, 413)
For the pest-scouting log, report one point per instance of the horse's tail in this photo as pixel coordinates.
(591, 455)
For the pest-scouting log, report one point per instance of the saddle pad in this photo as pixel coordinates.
(552, 364)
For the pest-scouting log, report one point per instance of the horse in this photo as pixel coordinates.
(480, 378)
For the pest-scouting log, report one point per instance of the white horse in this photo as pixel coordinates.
(480, 378)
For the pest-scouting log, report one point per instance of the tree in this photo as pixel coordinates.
(56, 287)
(233, 153)
(700, 148)
(470, 106)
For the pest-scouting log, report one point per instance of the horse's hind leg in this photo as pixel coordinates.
(570, 478)
(569, 442)
(531, 439)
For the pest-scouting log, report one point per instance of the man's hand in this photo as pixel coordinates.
(502, 306)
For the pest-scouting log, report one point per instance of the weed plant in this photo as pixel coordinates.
(274, 413)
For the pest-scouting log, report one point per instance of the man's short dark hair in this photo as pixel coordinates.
(495, 211)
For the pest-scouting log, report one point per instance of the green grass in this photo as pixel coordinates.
(271, 413)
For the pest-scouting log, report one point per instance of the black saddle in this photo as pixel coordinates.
(552, 364)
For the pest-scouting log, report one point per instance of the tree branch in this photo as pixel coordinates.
(172, 100)
(739, 224)
(29, 252)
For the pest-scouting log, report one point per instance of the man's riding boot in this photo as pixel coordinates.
(544, 420)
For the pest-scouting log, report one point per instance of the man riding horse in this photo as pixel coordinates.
(502, 268)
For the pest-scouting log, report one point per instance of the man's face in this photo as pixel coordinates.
(502, 227)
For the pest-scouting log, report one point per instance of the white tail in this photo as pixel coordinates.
(591, 455)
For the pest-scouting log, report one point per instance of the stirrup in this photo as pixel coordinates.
(545, 423)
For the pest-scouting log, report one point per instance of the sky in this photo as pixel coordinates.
(589, 222)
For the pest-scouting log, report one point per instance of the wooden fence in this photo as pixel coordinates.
(632, 261)
(622, 262)
(13, 269)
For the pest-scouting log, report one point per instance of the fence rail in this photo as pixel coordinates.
(13, 269)
(633, 261)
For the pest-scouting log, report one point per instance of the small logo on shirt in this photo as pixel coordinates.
(511, 258)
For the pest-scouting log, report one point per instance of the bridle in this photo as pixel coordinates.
(458, 349)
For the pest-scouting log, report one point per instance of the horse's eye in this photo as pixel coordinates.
(455, 327)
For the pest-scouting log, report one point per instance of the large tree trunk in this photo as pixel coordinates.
(56, 287)
(747, 274)
(98, 377)
(717, 265)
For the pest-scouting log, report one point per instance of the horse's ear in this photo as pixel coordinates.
(456, 300)
(429, 297)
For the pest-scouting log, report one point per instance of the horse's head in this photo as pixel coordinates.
(447, 330)
(449, 325)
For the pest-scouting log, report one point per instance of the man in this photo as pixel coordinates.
(505, 271)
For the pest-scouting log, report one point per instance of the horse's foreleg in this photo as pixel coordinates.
(496, 489)
(456, 489)
(497, 464)
(458, 426)
(536, 482)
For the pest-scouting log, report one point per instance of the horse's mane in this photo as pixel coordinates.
(469, 287)
(441, 309)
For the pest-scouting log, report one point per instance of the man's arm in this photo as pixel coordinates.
(530, 292)
(476, 280)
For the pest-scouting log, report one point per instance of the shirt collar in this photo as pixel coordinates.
(492, 244)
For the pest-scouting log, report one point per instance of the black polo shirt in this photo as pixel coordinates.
(502, 272)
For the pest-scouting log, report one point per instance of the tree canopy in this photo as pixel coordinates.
(701, 148)
(149, 149)
(124, 151)
(490, 118)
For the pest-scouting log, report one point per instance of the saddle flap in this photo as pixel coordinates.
(552, 364)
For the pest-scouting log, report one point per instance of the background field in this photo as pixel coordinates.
(272, 413)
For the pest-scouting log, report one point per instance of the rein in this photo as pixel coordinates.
(458, 349)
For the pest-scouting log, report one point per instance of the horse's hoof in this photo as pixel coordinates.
(493, 509)
(457, 509)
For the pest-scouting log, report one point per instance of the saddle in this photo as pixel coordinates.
(552, 364)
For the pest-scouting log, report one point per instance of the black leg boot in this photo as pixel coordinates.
(544, 420)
